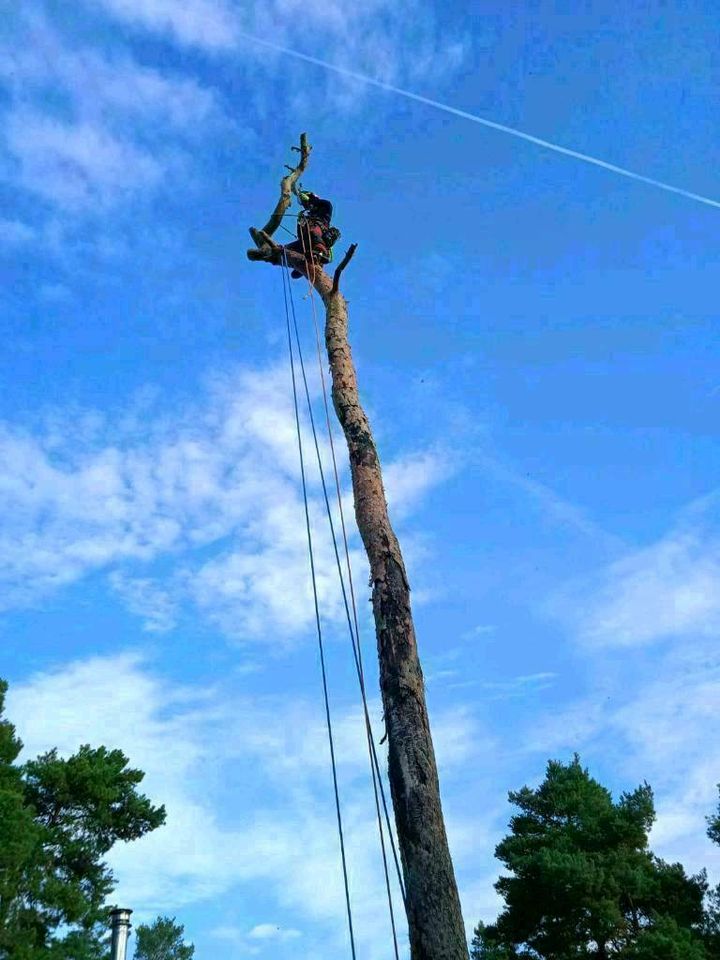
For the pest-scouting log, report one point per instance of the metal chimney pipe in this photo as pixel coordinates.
(120, 919)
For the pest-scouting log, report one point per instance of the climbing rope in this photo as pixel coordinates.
(286, 286)
(354, 638)
(354, 633)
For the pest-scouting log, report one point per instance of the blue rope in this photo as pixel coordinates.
(286, 283)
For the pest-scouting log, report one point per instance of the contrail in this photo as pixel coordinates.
(538, 141)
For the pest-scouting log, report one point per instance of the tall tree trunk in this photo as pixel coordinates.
(436, 926)
(434, 917)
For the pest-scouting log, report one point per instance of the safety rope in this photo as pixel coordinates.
(352, 622)
(286, 286)
(356, 637)
(354, 633)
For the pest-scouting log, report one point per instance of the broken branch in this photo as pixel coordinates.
(286, 186)
(341, 266)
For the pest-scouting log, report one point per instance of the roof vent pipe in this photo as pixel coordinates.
(120, 920)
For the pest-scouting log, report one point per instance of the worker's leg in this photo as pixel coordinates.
(295, 247)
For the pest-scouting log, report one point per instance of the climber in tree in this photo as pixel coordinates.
(315, 235)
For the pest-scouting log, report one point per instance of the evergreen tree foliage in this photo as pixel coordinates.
(711, 927)
(162, 940)
(582, 881)
(714, 824)
(665, 940)
(58, 819)
(485, 946)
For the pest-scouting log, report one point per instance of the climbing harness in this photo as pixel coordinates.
(311, 227)
(378, 789)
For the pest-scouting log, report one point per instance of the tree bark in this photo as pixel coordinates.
(433, 906)
(434, 916)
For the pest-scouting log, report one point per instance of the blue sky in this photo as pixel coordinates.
(535, 341)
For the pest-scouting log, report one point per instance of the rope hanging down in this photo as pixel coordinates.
(354, 633)
(354, 636)
(355, 643)
(286, 280)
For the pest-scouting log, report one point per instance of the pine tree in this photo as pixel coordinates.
(714, 825)
(58, 819)
(582, 881)
(711, 926)
(665, 940)
(484, 946)
(162, 940)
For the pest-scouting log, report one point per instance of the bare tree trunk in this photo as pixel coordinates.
(435, 919)
(434, 916)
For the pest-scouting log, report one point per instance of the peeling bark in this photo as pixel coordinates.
(434, 916)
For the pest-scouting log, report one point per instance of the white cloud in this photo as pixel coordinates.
(174, 734)
(269, 931)
(273, 828)
(394, 40)
(652, 705)
(408, 481)
(89, 127)
(14, 233)
(669, 589)
(671, 730)
(481, 902)
(650, 710)
(519, 687)
(227, 932)
(455, 739)
(77, 164)
(120, 126)
(205, 23)
(481, 630)
(215, 491)
(105, 86)
(147, 600)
